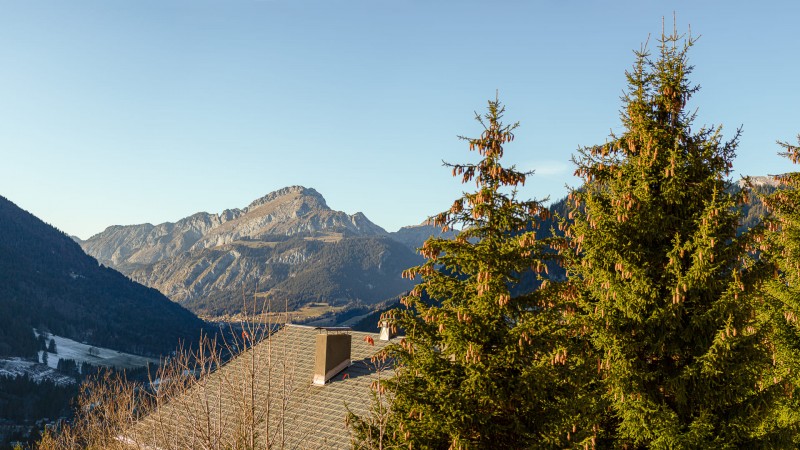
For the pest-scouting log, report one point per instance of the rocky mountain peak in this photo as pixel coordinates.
(284, 212)
(769, 180)
(288, 242)
(290, 192)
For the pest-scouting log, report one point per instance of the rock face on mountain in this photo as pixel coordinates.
(288, 244)
(128, 247)
(47, 282)
(286, 212)
(769, 181)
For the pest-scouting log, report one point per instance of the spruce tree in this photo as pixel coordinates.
(481, 364)
(781, 248)
(668, 289)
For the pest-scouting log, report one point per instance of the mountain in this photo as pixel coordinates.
(288, 244)
(48, 282)
(766, 182)
(295, 272)
(415, 235)
(754, 210)
(290, 211)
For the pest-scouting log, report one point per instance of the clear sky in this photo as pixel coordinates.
(123, 112)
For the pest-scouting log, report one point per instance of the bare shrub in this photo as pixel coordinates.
(372, 431)
(188, 402)
(106, 405)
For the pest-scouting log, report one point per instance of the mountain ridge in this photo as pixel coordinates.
(128, 247)
(281, 244)
(47, 281)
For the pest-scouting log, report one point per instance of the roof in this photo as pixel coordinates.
(289, 411)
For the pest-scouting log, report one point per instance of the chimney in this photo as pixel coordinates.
(387, 331)
(332, 353)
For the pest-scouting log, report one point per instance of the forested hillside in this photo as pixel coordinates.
(48, 282)
(295, 272)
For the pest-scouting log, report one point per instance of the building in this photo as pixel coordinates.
(293, 389)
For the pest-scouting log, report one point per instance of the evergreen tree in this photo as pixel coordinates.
(68, 367)
(42, 340)
(782, 249)
(51, 347)
(482, 366)
(669, 290)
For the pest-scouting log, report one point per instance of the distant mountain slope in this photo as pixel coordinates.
(415, 235)
(48, 282)
(299, 271)
(364, 268)
(288, 243)
(128, 247)
(754, 210)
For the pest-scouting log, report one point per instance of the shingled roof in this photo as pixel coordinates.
(288, 410)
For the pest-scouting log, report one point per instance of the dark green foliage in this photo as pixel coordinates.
(42, 341)
(483, 365)
(753, 210)
(22, 399)
(16, 336)
(47, 282)
(669, 290)
(68, 367)
(782, 250)
(51, 347)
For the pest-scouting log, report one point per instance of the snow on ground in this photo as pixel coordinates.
(98, 356)
(69, 349)
(13, 367)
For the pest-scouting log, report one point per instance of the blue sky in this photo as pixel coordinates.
(122, 112)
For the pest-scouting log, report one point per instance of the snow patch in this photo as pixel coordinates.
(14, 367)
(98, 356)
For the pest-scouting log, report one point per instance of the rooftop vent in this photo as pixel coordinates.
(387, 331)
(332, 353)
